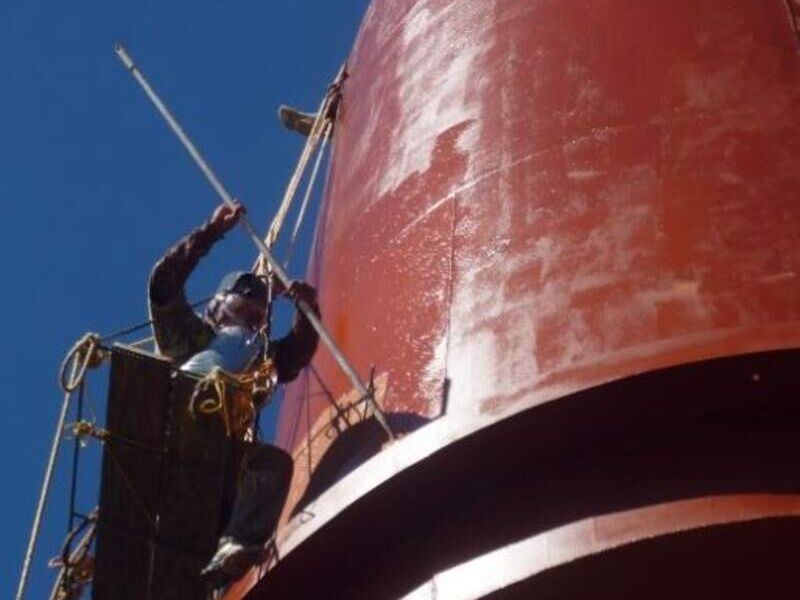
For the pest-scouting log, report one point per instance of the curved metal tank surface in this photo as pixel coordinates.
(566, 236)
(531, 198)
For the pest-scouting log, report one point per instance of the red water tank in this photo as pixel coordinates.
(530, 201)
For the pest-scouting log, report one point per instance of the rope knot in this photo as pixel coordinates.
(82, 429)
(221, 392)
(85, 354)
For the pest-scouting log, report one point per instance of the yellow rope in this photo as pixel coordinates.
(216, 379)
(232, 396)
(82, 429)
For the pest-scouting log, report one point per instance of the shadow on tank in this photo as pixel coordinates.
(352, 447)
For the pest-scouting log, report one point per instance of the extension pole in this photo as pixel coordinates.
(45, 492)
(223, 193)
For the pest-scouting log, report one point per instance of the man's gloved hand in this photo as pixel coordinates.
(298, 290)
(226, 217)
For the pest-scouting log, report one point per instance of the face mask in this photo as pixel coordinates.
(231, 309)
(233, 349)
(252, 287)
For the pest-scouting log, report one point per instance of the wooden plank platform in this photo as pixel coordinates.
(168, 483)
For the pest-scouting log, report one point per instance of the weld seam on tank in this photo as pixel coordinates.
(449, 299)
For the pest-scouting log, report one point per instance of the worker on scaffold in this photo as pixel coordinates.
(227, 337)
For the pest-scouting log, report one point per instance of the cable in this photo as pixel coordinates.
(309, 189)
(134, 328)
(48, 480)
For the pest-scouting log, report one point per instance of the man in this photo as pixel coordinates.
(227, 337)
(180, 333)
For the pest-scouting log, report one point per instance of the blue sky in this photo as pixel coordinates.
(94, 187)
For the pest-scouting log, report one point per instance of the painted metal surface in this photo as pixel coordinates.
(531, 198)
(513, 564)
(456, 490)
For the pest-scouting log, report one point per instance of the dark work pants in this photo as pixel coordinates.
(261, 495)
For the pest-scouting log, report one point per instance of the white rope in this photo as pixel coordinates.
(309, 190)
(48, 480)
(294, 182)
(320, 130)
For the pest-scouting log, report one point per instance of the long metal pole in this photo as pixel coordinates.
(226, 197)
(45, 492)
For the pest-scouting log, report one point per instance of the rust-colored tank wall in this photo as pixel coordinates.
(532, 197)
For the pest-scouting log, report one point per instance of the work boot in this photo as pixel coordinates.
(294, 120)
(256, 510)
(231, 561)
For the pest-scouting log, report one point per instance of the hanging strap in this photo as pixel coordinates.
(309, 190)
(322, 128)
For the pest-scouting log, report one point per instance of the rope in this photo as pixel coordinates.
(294, 183)
(247, 226)
(76, 566)
(234, 416)
(236, 398)
(48, 479)
(90, 351)
(76, 451)
(82, 429)
(309, 189)
(323, 126)
(139, 326)
(263, 381)
(85, 354)
(216, 379)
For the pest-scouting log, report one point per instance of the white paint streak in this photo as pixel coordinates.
(778, 277)
(730, 178)
(431, 381)
(579, 175)
(483, 306)
(471, 183)
(677, 290)
(472, 368)
(589, 281)
(435, 97)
